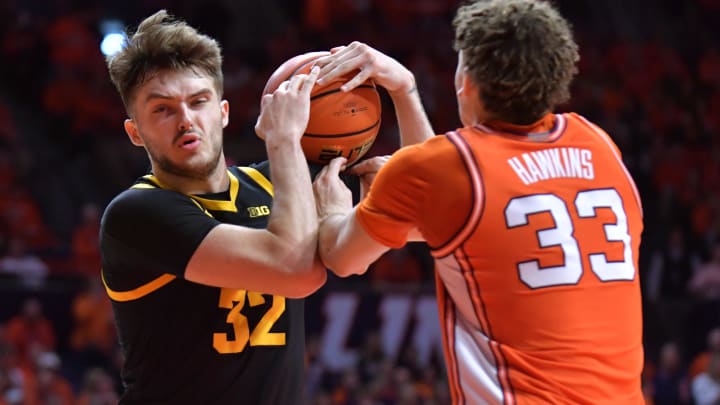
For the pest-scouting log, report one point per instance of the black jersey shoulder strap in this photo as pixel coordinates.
(258, 178)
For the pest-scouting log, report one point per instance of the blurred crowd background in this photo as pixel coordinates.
(649, 75)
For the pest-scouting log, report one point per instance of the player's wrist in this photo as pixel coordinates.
(285, 142)
(407, 89)
(332, 216)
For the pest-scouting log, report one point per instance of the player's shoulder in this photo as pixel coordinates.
(261, 167)
(141, 201)
(576, 122)
(424, 163)
(432, 153)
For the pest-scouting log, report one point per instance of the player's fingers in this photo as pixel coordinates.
(309, 80)
(359, 79)
(282, 87)
(295, 82)
(335, 166)
(371, 165)
(265, 100)
(338, 64)
(330, 58)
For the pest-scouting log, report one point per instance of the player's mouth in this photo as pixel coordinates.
(188, 141)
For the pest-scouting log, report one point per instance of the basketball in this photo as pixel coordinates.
(341, 123)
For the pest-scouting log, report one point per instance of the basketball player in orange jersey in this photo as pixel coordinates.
(532, 218)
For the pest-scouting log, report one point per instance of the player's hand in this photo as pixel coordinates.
(331, 194)
(369, 64)
(366, 170)
(284, 113)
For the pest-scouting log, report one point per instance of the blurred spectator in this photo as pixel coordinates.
(348, 390)
(7, 171)
(702, 360)
(85, 242)
(705, 310)
(16, 382)
(27, 266)
(399, 388)
(72, 43)
(426, 385)
(30, 332)
(52, 388)
(93, 322)
(669, 384)
(709, 67)
(8, 132)
(372, 357)
(314, 370)
(97, 389)
(22, 216)
(671, 267)
(705, 283)
(396, 268)
(706, 386)
(4, 241)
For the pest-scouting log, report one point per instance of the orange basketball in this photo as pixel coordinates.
(341, 123)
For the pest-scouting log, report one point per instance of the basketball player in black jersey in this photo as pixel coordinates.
(206, 265)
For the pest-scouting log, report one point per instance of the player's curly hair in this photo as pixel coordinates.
(163, 42)
(521, 53)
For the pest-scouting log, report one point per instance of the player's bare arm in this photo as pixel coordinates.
(343, 245)
(280, 259)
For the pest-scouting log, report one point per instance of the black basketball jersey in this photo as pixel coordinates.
(186, 343)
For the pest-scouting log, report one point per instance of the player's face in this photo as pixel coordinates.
(179, 118)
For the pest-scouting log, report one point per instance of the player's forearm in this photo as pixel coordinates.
(294, 217)
(332, 246)
(412, 119)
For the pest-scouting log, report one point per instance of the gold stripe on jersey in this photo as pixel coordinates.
(143, 290)
(261, 180)
(222, 205)
(153, 179)
(142, 185)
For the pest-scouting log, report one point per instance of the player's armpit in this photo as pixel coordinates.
(238, 257)
(414, 235)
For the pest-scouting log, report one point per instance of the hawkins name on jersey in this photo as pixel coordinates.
(553, 163)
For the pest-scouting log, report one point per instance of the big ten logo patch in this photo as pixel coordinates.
(260, 211)
(328, 153)
(399, 321)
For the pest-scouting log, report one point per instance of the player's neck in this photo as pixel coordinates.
(217, 181)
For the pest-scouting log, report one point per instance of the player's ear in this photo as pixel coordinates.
(132, 132)
(469, 87)
(225, 111)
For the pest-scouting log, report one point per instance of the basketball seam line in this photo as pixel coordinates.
(365, 86)
(345, 134)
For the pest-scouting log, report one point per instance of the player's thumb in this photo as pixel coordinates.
(337, 165)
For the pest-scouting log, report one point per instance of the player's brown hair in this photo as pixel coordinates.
(163, 42)
(521, 53)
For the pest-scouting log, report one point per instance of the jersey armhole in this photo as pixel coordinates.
(478, 196)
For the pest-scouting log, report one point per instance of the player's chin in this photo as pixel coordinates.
(199, 167)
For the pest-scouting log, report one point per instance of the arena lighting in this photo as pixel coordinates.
(113, 36)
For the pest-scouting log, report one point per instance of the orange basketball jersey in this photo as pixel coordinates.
(535, 233)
